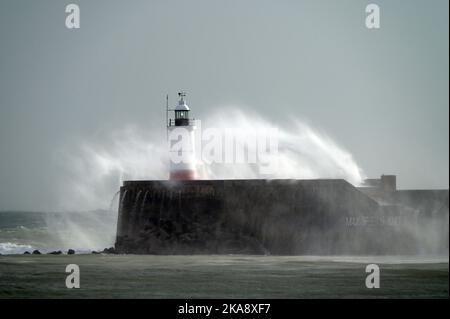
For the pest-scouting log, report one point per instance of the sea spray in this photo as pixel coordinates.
(95, 171)
(8, 248)
(302, 152)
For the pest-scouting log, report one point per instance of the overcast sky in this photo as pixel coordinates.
(381, 94)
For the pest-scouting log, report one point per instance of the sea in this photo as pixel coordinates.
(189, 276)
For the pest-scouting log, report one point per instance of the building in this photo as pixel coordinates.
(281, 217)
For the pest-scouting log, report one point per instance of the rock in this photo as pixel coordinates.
(36, 252)
(26, 253)
(71, 252)
(59, 252)
(109, 250)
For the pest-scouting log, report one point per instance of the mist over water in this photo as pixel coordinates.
(302, 151)
(46, 232)
(95, 171)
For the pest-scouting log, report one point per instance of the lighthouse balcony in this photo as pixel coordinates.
(181, 122)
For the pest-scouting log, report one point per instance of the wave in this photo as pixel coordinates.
(13, 248)
(46, 232)
(93, 170)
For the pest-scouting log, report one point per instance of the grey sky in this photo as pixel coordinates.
(382, 95)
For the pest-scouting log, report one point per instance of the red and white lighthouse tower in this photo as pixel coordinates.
(180, 132)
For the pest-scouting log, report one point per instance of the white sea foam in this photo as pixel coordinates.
(13, 248)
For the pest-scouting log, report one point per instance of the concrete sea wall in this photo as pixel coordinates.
(282, 217)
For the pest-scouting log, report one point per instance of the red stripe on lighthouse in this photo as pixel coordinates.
(184, 175)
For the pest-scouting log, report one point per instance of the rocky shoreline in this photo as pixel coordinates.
(110, 251)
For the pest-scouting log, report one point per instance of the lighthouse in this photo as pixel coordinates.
(180, 134)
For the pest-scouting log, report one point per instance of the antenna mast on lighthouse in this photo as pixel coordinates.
(167, 117)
